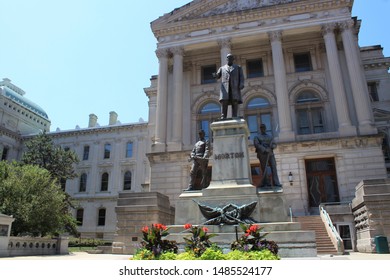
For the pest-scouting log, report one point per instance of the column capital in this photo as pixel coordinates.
(225, 43)
(162, 53)
(275, 35)
(328, 28)
(179, 50)
(346, 25)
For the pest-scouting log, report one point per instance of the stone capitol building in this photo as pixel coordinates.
(323, 97)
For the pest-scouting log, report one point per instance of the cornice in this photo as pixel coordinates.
(94, 130)
(161, 28)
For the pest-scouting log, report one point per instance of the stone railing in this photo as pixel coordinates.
(32, 246)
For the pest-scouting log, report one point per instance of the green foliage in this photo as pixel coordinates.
(199, 241)
(59, 162)
(251, 255)
(36, 202)
(209, 254)
(253, 240)
(212, 254)
(154, 242)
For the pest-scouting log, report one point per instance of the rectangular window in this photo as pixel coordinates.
(207, 74)
(83, 183)
(102, 217)
(86, 152)
(254, 68)
(310, 121)
(104, 182)
(373, 91)
(107, 150)
(302, 62)
(80, 216)
(129, 149)
(4, 155)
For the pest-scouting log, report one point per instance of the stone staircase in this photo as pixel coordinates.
(314, 223)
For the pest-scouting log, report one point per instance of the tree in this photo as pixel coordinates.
(33, 198)
(59, 162)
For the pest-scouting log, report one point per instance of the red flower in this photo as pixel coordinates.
(145, 229)
(160, 226)
(187, 226)
(205, 229)
(253, 228)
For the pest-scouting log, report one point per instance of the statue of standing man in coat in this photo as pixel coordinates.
(232, 82)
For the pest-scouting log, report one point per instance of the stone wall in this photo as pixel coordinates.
(371, 209)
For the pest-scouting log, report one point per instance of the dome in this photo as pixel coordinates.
(23, 101)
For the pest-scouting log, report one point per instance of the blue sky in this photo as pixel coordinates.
(76, 57)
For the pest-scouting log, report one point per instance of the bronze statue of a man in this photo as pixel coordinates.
(199, 157)
(265, 145)
(232, 82)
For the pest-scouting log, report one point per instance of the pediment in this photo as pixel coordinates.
(202, 9)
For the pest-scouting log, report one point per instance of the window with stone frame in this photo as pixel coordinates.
(302, 62)
(83, 183)
(129, 149)
(80, 216)
(207, 114)
(102, 217)
(127, 181)
(254, 68)
(309, 113)
(373, 91)
(258, 111)
(86, 152)
(107, 151)
(207, 74)
(104, 182)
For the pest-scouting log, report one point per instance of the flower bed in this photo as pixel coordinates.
(250, 246)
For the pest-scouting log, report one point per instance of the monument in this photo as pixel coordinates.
(231, 181)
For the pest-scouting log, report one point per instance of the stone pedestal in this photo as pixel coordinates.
(231, 180)
(134, 211)
(371, 209)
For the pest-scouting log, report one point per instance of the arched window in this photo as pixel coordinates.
(309, 112)
(207, 114)
(258, 111)
(127, 181)
(104, 182)
(83, 183)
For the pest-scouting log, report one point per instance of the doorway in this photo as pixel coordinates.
(321, 181)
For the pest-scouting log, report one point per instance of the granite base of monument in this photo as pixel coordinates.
(231, 187)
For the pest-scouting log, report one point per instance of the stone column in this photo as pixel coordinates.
(225, 45)
(177, 125)
(358, 83)
(344, 121)
(286, 133)
(162, 96)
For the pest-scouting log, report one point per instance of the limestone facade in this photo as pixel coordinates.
(112, 161)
